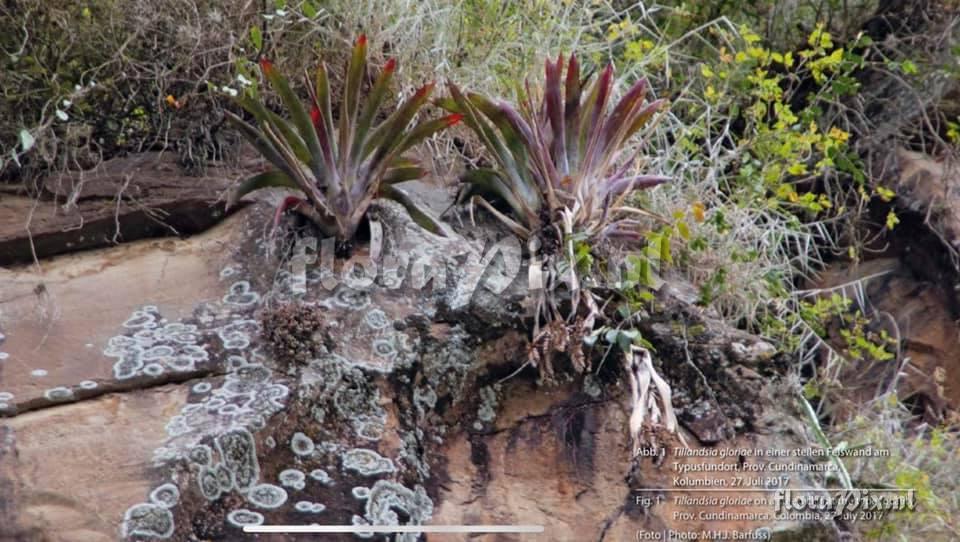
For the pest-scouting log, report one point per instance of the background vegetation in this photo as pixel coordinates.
(782, 117)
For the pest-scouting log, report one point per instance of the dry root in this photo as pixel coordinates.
(652, 407)
(557, 337)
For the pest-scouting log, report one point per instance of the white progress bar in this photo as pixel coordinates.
(393, 529)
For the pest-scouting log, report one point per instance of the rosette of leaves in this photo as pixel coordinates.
(559, 169)
(339, 167)
(558, 162)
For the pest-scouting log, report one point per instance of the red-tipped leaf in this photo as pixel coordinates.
(622, 114)
(266, 66)
(571, 114)
(351, 97)
(299, 116)
(553, 103)
(374, 101)
(595, 120)
(385, 136)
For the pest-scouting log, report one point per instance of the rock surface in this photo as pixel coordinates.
(122, 200)
(919, 314)
(146, 398)
(909, 289)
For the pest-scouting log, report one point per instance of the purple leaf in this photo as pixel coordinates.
(639, 182)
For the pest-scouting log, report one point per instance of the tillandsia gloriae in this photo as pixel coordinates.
(338, 171)
(557, 161)
(559, 170)
(651, 406)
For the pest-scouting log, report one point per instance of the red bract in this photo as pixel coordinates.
(266, 66)
(453, 119)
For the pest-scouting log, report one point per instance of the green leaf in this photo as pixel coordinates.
(487, 182)
(892, 220)
(324, 128)
(520, 185)
(424, 130)
(268, 179)
(402, 173)
(513, 129)
(299, 116)
(280, 125)
(374, 100)
(665, 256)
(645, 273)
(260, 142)
(351, 98)
(256, 37)
(390, 134)
(421, 217)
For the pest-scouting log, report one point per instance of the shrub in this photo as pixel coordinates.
(87, 81)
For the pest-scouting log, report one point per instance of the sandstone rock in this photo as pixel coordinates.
(919, 314)
(122, 200)
(908, 288)
(181, 422)
(931, 188)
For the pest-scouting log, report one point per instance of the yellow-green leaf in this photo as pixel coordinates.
(665, 256)
(892, 220)
(256, 37)
(885, 193)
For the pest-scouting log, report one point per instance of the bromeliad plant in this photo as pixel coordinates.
(338, 171)
(558, 168)
(557, 161)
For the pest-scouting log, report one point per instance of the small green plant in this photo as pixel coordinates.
(339, 171)
(557, 160)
